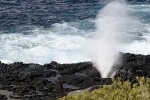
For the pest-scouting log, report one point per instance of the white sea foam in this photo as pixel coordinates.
(61, 43)
(138, 46)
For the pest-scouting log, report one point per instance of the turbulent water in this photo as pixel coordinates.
(41, 31)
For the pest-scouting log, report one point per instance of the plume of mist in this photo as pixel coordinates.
(103, 48)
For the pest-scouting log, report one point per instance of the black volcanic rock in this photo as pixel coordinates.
(54, 80)
(2, 97)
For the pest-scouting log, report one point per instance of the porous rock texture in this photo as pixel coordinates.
(54, 80)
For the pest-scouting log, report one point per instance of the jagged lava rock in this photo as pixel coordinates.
(54, 80)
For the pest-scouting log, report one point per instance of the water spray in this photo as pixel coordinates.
(110, 23)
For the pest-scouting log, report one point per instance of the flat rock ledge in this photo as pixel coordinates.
(20, 81)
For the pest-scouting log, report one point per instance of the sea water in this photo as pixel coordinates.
(41, 31)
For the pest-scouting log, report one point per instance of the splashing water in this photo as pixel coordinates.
(56, 32)
(111, 23)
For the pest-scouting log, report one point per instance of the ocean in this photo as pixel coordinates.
(41, 31)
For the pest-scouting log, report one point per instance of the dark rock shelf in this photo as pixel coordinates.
(54, 80)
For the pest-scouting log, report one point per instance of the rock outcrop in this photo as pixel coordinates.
(54, 80)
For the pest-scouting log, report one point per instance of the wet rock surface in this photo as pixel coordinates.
(54, 80)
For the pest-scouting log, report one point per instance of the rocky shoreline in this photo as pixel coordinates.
(19, 81)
